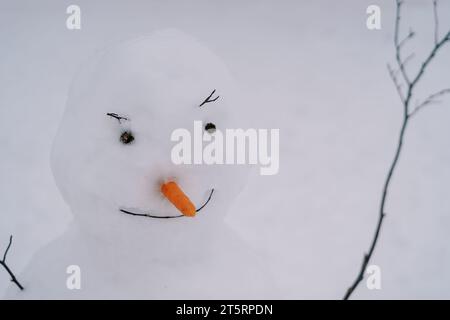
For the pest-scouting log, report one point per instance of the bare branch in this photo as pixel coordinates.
(410, 35)
(430, 100)
(399, 44)
(381, 212)
(393, 76)
(430, 57)
(406, 100)
(4, 265)
(408, 59)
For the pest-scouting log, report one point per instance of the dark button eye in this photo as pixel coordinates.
(126, 137)
(210, 127)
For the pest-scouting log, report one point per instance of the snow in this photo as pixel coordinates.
(311, 69)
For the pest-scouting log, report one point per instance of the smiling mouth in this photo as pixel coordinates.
(149, 215)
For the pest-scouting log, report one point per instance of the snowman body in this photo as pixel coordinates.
(145, 88)
(229, 271)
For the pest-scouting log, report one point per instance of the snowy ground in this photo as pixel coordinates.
(310, 68)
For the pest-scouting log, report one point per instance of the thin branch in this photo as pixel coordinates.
(399, 44)
(7, 249)
(4, 265)
(396, 83)
(430, 57)
(381, 212)
(410, 35)
(408, 59)
(430, 100)
(406, 118)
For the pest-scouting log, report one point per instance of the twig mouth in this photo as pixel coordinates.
(149, 215)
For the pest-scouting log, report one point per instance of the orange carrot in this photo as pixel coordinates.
(177, 197)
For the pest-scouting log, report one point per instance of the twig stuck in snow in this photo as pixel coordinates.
(4, 265)
(405, 98)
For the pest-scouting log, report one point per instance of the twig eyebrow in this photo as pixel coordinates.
(208, 100)
(116, 116)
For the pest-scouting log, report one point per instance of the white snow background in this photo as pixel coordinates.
(310, 68)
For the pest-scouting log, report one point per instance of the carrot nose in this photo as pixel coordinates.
(176, 196)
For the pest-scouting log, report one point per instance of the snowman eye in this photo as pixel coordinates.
(210, 127)
(126, 137)
(208, 100)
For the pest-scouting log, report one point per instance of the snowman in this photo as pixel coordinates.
(144, 227)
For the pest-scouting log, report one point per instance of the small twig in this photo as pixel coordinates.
(396, 83)
(116, 116)
(4, 265)
(407, 59)
(430, 57)
(430, 100)
(399, 44)
(7, 249)
(408, 37)
(208, 100)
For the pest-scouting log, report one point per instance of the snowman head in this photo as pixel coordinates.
(113, 149)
